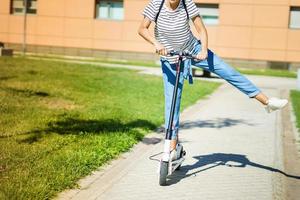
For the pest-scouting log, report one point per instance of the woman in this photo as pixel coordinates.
(172, 32)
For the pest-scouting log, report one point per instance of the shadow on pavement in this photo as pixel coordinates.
(206, 162)
(214, 123)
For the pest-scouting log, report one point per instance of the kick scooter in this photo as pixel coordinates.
(167, 165)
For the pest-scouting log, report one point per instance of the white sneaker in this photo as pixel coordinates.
(275, 104)
(177, 152)
(173, 155)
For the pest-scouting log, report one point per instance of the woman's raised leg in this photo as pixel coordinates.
(216, 65)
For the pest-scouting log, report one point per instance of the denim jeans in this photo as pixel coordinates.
(214, 64)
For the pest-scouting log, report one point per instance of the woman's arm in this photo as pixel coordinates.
(201, 30)
(144, 32)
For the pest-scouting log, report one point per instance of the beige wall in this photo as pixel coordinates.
(248, 29)
(257, 29)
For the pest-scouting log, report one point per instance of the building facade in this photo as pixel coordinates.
(258, 30)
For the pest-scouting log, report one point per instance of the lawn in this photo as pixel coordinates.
(61, 121)
(269, 72)
(260, 72)
(295, 96)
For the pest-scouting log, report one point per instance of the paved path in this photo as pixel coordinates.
(234, 151)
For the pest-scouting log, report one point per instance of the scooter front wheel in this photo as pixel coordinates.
(163, 173)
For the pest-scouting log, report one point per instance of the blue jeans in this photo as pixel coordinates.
(214, 64)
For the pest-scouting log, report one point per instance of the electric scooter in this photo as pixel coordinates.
(167, 165)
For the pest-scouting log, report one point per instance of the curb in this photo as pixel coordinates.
(290, 150)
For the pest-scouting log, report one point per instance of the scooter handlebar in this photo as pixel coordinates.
(186, 54)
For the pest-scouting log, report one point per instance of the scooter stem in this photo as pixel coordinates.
(171, 118)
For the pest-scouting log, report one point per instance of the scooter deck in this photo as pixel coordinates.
(175, 164)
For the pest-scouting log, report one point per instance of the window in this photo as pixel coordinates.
(294, 17)
(17, 6)
(109, 9)
(209, 13)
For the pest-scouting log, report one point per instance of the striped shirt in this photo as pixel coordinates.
(172, 29)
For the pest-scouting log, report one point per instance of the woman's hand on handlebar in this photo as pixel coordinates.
(202, 55)
(160, 49)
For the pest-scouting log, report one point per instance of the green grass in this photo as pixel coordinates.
(260, 72)
(295, 96)
(100, 60)
(61, 121)
(269, 72)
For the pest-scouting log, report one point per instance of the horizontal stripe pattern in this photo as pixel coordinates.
(172, 28)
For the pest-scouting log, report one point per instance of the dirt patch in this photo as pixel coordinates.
(2, 168)
(291, 153)
(60, 104)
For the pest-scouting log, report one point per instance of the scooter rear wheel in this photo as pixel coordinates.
(163, 173)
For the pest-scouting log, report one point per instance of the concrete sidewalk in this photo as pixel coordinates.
(234, 151)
